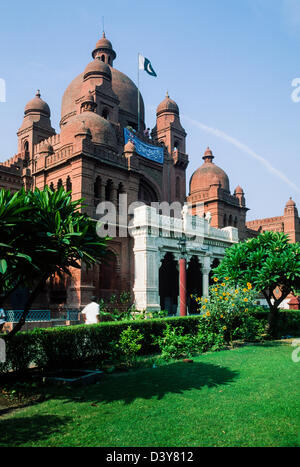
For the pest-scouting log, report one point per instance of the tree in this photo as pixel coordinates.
(43, 233)
(269, 262)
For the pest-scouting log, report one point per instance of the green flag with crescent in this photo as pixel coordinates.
(145, 64)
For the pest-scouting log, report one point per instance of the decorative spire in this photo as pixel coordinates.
(38, 93)
(167, 95)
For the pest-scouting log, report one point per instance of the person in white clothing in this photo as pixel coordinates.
(91, 312)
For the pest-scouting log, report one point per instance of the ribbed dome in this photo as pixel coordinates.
(37, 105)
(207, 175)
(97, 68)
(167, 105)
(101, 130)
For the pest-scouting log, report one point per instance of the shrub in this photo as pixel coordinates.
(250, 329)
(129, 344)
(207, 339)
(174, 345)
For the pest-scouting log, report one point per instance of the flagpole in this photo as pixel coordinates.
(138, 93)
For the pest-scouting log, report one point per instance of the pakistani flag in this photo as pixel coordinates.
(145, 64)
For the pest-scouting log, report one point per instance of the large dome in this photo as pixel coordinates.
(127, 93)
(101, 130)
(208, 174)
(70, 95)
(122, 86)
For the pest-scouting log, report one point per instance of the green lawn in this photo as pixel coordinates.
(244, 397)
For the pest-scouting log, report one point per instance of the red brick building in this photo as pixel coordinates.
(89, 157)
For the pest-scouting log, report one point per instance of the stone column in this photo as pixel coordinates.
(146, 262)
(205, 275)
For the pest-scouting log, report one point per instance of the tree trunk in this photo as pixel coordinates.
(273, 322)
(36, 292)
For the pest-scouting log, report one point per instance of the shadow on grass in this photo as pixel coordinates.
(20, 430)
(153, 383)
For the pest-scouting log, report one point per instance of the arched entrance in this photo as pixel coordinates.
(194, 284)
(109, 276)
(147, 194)
(169, 284)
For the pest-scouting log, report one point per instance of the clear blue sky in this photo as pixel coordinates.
(228, 64)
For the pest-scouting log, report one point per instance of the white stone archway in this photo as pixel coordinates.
(156, 235)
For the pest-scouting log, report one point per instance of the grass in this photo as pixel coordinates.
(245, 397)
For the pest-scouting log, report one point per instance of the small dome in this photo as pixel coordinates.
(129, 146)
(89, 98)
(290, 203)
(97, 68)
(207, 175)
(37, 105)
(167, 105)
(101, 130)
(239, 190)
(104, 45)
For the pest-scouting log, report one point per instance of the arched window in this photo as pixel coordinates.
(59, 184)
(97, 188)
(26, 154)
(225, 221)
(108, 190)
(105, 114)
(69, 184)
(147, 194)
(103, 58)
(52, 186)
(109, 274)
(176, 146)
(235, 222)
(230, 220)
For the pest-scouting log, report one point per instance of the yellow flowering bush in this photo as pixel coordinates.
(226, 307)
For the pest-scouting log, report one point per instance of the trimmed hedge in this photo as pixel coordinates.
(69, 347)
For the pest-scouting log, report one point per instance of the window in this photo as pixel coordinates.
(69, 184)
(105, 114)
(97, 187)
(108, 190)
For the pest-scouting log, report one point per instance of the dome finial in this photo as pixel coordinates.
(38, 93)
(208, 155)
(167, 95)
